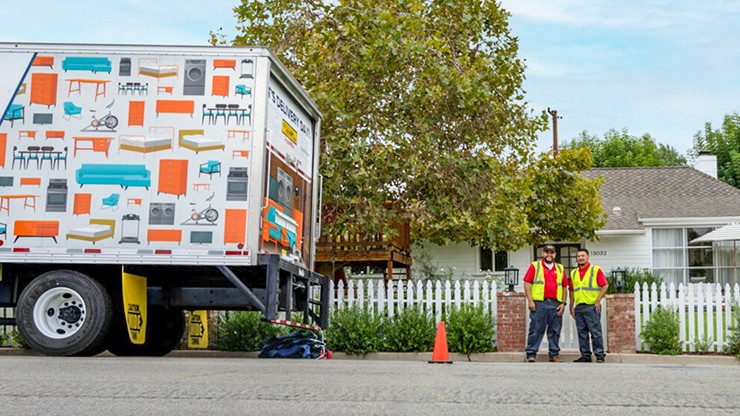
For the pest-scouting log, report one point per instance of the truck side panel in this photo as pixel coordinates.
(129, 156)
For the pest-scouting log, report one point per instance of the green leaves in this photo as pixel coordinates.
(662, 332)
(724, 143)
(618, 150)
(422, 105)
(470, 330)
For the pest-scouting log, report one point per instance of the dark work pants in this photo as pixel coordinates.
(544, 317)
(588, 322)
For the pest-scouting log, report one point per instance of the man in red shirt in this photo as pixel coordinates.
(545, 285)
(588, 287)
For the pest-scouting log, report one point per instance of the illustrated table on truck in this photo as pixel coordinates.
(29, 201)
(99, 144)
(100, 86)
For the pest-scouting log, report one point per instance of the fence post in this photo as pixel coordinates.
(511, 315)
(620, 322)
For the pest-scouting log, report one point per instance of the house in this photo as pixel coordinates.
(653, 215)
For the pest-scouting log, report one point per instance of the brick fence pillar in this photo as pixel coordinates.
(511, 321)
(620, 322)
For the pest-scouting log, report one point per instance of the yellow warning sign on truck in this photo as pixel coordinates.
(134, 303)
(198, 330)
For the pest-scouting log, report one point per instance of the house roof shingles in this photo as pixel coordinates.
(662, 192)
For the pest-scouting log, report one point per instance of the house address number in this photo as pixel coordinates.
(598, 253)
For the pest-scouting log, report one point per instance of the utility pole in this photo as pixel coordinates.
(554, 114)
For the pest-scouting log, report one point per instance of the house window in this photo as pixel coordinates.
(493, 262)
(677, 260)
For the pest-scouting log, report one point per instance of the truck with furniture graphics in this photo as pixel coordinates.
(138, 183)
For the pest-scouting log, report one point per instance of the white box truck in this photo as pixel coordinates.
(184, 176)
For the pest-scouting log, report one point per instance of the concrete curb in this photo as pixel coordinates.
(490, 357)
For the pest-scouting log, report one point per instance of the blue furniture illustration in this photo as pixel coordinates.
(59, 157)
(71, 110)
(111, 201)
(15, 112)
(210, 167)
(87, 63)
(243, 90)
(4, 229)
(123, 175)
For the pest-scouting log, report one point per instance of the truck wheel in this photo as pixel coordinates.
(64, 312)
(165, 329)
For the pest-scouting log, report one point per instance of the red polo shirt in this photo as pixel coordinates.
(551, 279)
(600, 278)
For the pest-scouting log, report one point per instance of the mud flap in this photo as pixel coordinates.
(198, 330)
(134, 303)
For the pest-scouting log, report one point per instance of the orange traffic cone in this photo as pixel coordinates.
(440, 355)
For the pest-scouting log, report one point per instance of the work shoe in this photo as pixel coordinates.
(531, 359)
(555, 359)
(599, 360)
(582, 360)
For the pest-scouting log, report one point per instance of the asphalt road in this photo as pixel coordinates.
(241, 386)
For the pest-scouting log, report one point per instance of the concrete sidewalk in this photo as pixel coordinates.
(492, 357)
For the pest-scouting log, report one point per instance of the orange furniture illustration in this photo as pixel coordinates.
(224, 63)
(75, 85)
(29, 201)
(136, 113)
(99, 144)
(27, 134)
(220, 85)
(54, 134)
(3, 145)
(172, 236)
(82, 204)
(44, 89)
(133, 201)
(36, 228)
(176, 106)
(235, 226)
(173, 177)
(30, 181)
(43, 61)
(244, 134)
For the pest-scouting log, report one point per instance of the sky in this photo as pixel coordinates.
(662, 67)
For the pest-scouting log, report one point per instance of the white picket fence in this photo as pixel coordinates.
(704, 312)
(435, 298)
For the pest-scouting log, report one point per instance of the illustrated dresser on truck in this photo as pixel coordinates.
(137, 182)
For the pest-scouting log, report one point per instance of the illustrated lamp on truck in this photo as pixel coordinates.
(511, 277)
(618, 277)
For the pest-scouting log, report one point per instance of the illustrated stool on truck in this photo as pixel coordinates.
(86, 269)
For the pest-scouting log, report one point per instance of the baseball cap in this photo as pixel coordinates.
(549, 247)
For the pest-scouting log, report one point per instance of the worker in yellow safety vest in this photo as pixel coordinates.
(588, 287)
(544, 285)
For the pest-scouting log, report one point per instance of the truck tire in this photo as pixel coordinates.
(165, 329)
(64, 313)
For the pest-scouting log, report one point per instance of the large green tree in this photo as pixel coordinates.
(619, 149)
(724, 142)
(423, 106)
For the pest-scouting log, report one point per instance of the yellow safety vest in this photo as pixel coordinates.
(586, 290)
(538, 285)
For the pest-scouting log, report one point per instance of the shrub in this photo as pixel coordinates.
(411, 330)
(733, 347)
(355, 330)
(469, 330)
(633, 275)
(244, 331)
(662, 332)
(17, 340)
